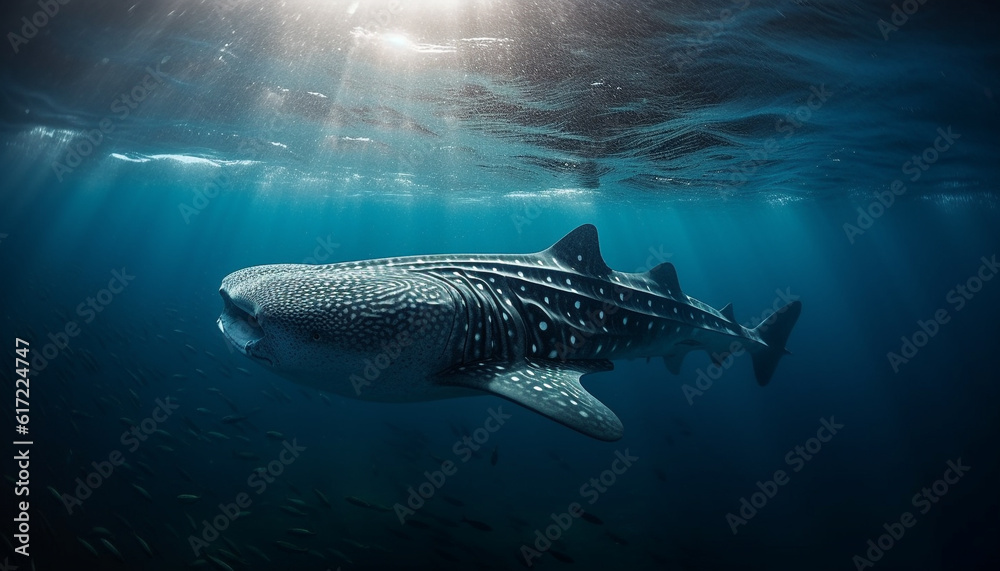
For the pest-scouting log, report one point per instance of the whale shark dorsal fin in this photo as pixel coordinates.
(581, 251)
(728, 313)
(528, 384)
(666, 275)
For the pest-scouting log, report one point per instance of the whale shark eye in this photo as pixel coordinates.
(252, 321)
(315, 335)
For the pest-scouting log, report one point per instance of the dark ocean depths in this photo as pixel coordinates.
(151, 148)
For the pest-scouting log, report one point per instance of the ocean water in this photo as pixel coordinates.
(842, 154)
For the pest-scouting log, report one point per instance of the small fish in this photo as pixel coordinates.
(493, 456)
(477, 524)
(232, 556)
(453, 501)
(218, 435)
(587, 516)
(102, 531)
(233, 418)
(114, 550)
(323, 498)
(296, 501)
(203, 410)
(561, 556)
(259, 553)
(300, 532)
(143, 544)
(142, 491)
(232, 544)
(88, 546)
(293, 511)
(274, 435)
(145, 467)
(290, 547)
(188, 498)
(219, 563)
(617, 538)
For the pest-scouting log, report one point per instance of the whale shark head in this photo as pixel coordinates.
(322, 327)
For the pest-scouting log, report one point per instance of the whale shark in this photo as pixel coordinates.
(525, 327)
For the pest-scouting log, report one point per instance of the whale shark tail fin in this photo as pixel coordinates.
(774, 331)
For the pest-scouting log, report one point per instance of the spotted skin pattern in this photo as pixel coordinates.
(523, 327)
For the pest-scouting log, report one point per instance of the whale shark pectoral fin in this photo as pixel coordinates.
(674, 362)
(540, 387)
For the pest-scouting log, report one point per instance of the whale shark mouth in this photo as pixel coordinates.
(238, 323)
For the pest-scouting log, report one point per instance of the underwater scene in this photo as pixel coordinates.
(500, 284)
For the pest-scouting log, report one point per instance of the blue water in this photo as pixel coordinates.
(736, 140)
